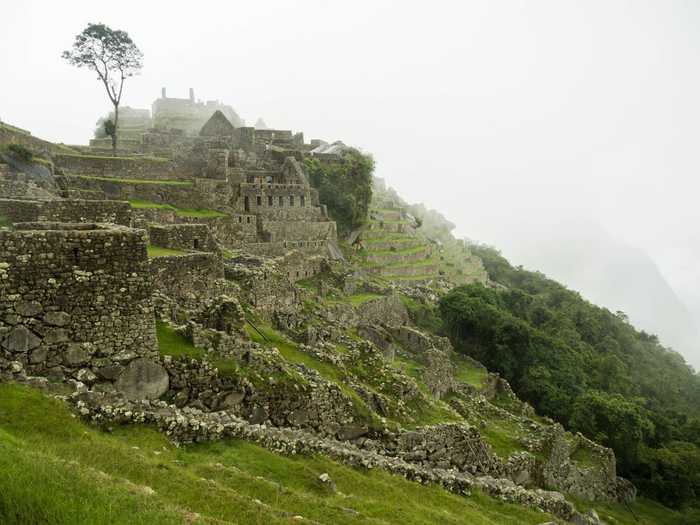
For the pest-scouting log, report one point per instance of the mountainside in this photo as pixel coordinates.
(612, 274)
(231, 359)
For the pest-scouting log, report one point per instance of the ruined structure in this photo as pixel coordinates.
(75, 302)
(283, 341)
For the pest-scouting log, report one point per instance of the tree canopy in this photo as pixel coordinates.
(588, 368)
(113, 56)
(345, 187)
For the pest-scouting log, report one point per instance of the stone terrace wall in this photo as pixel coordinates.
(298, 265)
(300, 231)
(200, 193)
(114, 212)
(119, 167)
(232, 232)
(274, 249)
(182, 236)
(8, 135)
(75, 299)
(189, 279)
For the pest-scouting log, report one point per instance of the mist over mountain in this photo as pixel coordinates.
(610, 273)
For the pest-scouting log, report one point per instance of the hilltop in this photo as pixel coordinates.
(237, 314)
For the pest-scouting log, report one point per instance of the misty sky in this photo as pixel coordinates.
(503, 115)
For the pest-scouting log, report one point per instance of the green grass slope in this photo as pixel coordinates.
(55, 469)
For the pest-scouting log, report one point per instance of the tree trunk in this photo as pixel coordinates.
(114, 135)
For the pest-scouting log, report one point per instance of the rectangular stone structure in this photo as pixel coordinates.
(75, 299)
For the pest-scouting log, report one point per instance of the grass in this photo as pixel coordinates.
(290, 351)
(409, 278)
(5, 222)
(585, 457)
(362, 298)
(164, 182)
(646, 512)
(406, 251)
(159, 160)
(182, 212)
(470, 374)
(55, 469)
(200, 213)
(502, 435)
(148, 205)
(174, 344)
(157, 251)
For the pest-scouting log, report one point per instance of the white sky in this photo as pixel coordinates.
(493, 112)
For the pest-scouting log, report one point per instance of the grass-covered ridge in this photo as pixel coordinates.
(204, 213)
(55, 469)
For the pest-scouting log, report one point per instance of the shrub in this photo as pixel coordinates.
(20, 152)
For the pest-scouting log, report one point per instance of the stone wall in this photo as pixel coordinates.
(275, 249)
(188, 279)
(114, 212)
(298, 265)
(300, 231)
(181, 195)
(148, 168)
(75, 300)
(12, 135)
(182, 237)
(267, 198)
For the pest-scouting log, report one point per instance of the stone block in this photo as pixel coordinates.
(143, 379)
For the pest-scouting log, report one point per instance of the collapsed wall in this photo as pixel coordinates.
(75, 302)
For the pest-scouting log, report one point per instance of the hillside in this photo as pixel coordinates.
(182, 328)
(610, 273)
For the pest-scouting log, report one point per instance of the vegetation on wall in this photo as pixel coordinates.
(589, 369)
(344, 187)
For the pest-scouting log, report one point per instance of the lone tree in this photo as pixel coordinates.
(113, 56)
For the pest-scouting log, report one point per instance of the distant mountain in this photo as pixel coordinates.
(610, 273)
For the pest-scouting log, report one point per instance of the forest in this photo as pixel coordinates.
(589, 369)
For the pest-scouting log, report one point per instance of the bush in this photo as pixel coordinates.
(20, 152)
(344, 187)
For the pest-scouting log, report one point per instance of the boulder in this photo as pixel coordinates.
(143, 379)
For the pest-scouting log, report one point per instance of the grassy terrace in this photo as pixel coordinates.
(182, 212)
(157, 251)
(468, 373)
(158, 160)
(396, 238)
(399, 221)
(55, 469)
(164, 182)
(360, 299)
(405, 251)
(422, 277)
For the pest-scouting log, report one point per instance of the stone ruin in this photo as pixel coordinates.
(76, 304)
(79, 299)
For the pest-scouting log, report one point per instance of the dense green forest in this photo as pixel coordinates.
(345, 187)
(589, 369)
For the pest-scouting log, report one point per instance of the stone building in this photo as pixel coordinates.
(75, 302)
(188, 114)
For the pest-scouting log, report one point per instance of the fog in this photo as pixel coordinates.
(516, 120)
